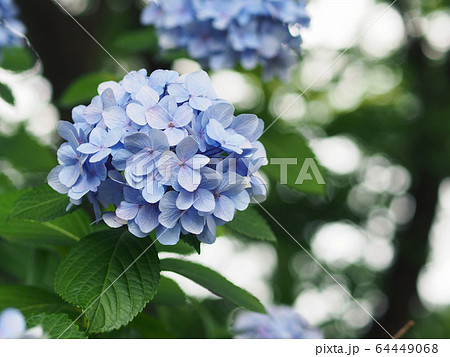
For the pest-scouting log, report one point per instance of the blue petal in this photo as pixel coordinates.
(54, 182)
(68, 132)
(147, 218)
(187, 148)
(88, 148)
(168, 236)
(200, 103)
(136, 112)
(115, 117)
(185, 200)
(127, 211)
(192, 222)
(204, 200)
(224, 209)
(188, 178)
(69, 175)
(180, 93)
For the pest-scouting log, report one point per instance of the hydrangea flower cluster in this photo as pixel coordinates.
(13, 326)
(280, 322)
(8, 20)
(161, 152)
(221, 33)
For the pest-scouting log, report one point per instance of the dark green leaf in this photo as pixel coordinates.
(6, 94)
(25, 153)
(214, 282)
(61, 231)
(40, 204)
(137, 41)
(56, 326)
(86, 275)
(17, 59)
(84, 89)
(169, 293)
(192, 241)
(251, 224)
(31, 300)
(290, 144)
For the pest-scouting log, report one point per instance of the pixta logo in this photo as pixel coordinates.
(307, 170)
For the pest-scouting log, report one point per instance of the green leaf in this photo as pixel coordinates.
(40, 204)
(251, 224)
(214, 282)
(169, 293)
(56, 326)
(143, 40)
(179, 248)
(6, 94)
(290, 144)
(17, 59)
(84, 88)
(30, 300)
(25, 153)
(192, 241)
(99, 260)
(61, 231)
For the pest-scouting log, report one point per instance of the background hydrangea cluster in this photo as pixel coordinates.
(13, 326)
(162, 153)
(8, 20)
(279, 322)
(221, 33)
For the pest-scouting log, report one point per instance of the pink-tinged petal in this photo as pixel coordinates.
(108, 98)
(188, 178)
(93, 112)
(168, 166)
(127, 211)
(157, 117)
(175, 135)
(136, 112)
(178, 92)
(115, 117)
(147, 96)
(88, 148)
(200, 103)
(183, 116)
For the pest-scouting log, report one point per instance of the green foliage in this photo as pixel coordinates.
(61, 231)
(56, 326)
(192, 240)
(86, 275)
(84, 88)
(137, 41)
(25, 153)
(6, 94)
(32, 300)
(169, 293)
(16, 59)
(41, 204)
(214, 282)
(251, 224)
(179, 248)
(289, 143)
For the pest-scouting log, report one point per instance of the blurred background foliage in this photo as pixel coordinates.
(377, 118)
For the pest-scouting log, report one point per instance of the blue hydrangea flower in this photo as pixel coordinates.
(220, 34)
(8, 24)
(13, 326)
(161, 153)
(279, 322)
